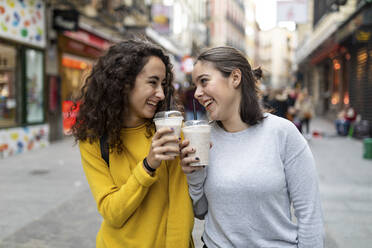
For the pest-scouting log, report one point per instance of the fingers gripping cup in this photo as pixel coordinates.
(198, 132)
(172, 119)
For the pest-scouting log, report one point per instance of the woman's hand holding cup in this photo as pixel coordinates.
(159, 147)
(187, 158)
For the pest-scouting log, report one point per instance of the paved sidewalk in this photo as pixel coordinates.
(345, 187)
(45, 200)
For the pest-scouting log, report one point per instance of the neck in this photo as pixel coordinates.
(234, 124)
(129, 123)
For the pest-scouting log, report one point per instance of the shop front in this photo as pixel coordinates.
(356, 36)
(339, 69)
(77, 53)
(23, 124)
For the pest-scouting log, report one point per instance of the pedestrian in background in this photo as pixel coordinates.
(345, 118)
(305, 110)
(279, 103)
(292, 96)
(259, 164)
(142, 193)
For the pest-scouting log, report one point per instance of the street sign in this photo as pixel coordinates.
(65, 20)
(292, 11)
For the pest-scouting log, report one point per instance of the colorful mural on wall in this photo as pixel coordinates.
(23, 20)
(19, 140)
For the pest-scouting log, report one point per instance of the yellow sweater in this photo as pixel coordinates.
(138, 210)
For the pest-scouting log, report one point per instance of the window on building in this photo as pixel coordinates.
(34, 86)
(8, 106)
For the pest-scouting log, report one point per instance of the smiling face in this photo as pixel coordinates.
(147, 93)
(218, 94)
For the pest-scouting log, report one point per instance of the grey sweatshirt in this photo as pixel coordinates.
(246, 191)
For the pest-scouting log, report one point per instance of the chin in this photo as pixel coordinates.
(149, 115)
(213, 116)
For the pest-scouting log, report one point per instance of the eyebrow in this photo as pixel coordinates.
(198, 77)
(154, 77)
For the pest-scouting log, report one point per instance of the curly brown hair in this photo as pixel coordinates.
(104, 98)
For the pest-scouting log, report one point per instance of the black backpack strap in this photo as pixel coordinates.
(104, 149)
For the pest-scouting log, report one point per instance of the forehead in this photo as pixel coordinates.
(202, 67)
(154, 65)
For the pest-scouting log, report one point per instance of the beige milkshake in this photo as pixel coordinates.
(171, 119)
(198, 133)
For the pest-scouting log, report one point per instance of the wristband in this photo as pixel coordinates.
(147, 166)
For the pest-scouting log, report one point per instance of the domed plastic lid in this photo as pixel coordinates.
(168, 114)
(195, 123)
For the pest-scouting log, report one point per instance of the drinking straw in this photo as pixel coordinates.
(194, 109)
(169, 99)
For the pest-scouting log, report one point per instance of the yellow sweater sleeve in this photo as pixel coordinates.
(115, 204)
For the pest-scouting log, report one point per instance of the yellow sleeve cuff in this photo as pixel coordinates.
(143, 177)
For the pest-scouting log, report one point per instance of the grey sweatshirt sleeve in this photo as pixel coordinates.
(302, 181)
(196, 181)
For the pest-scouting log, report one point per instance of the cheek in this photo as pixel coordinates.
(214, 92)
(142, 95)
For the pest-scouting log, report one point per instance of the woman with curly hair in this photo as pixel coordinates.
(141, 193)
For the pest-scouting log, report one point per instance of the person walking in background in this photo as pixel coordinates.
(279, 103)
(304, 110)
(267, 96)
(259, 165)
(292, 96)
(141, 192)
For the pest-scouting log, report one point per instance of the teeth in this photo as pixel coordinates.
(208, 103)
(152, 103)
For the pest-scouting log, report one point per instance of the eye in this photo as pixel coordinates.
(203, 80)
(164, 84)
(152, 82)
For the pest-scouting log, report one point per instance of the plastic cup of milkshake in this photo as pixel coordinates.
(172, 119)
(198, 132)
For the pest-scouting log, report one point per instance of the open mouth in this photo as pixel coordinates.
(152, 103)
(208, 103)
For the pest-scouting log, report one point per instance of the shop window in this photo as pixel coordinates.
(34, 86)
(75, 70)
(336, 82)
(8, 102)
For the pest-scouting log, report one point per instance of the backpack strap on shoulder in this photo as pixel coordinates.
(104, 149)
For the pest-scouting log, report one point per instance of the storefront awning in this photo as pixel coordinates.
(313, 43)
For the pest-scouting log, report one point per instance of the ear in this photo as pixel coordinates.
(236, 77)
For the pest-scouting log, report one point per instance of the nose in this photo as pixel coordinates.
(198, 93)
(160, 93)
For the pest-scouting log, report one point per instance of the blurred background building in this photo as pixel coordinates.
(227, 23)
(276, 54)
(251, 33)
(48, 47)
(334, 55)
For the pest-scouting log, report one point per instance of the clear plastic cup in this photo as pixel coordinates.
(198, 132)
(172, 119)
